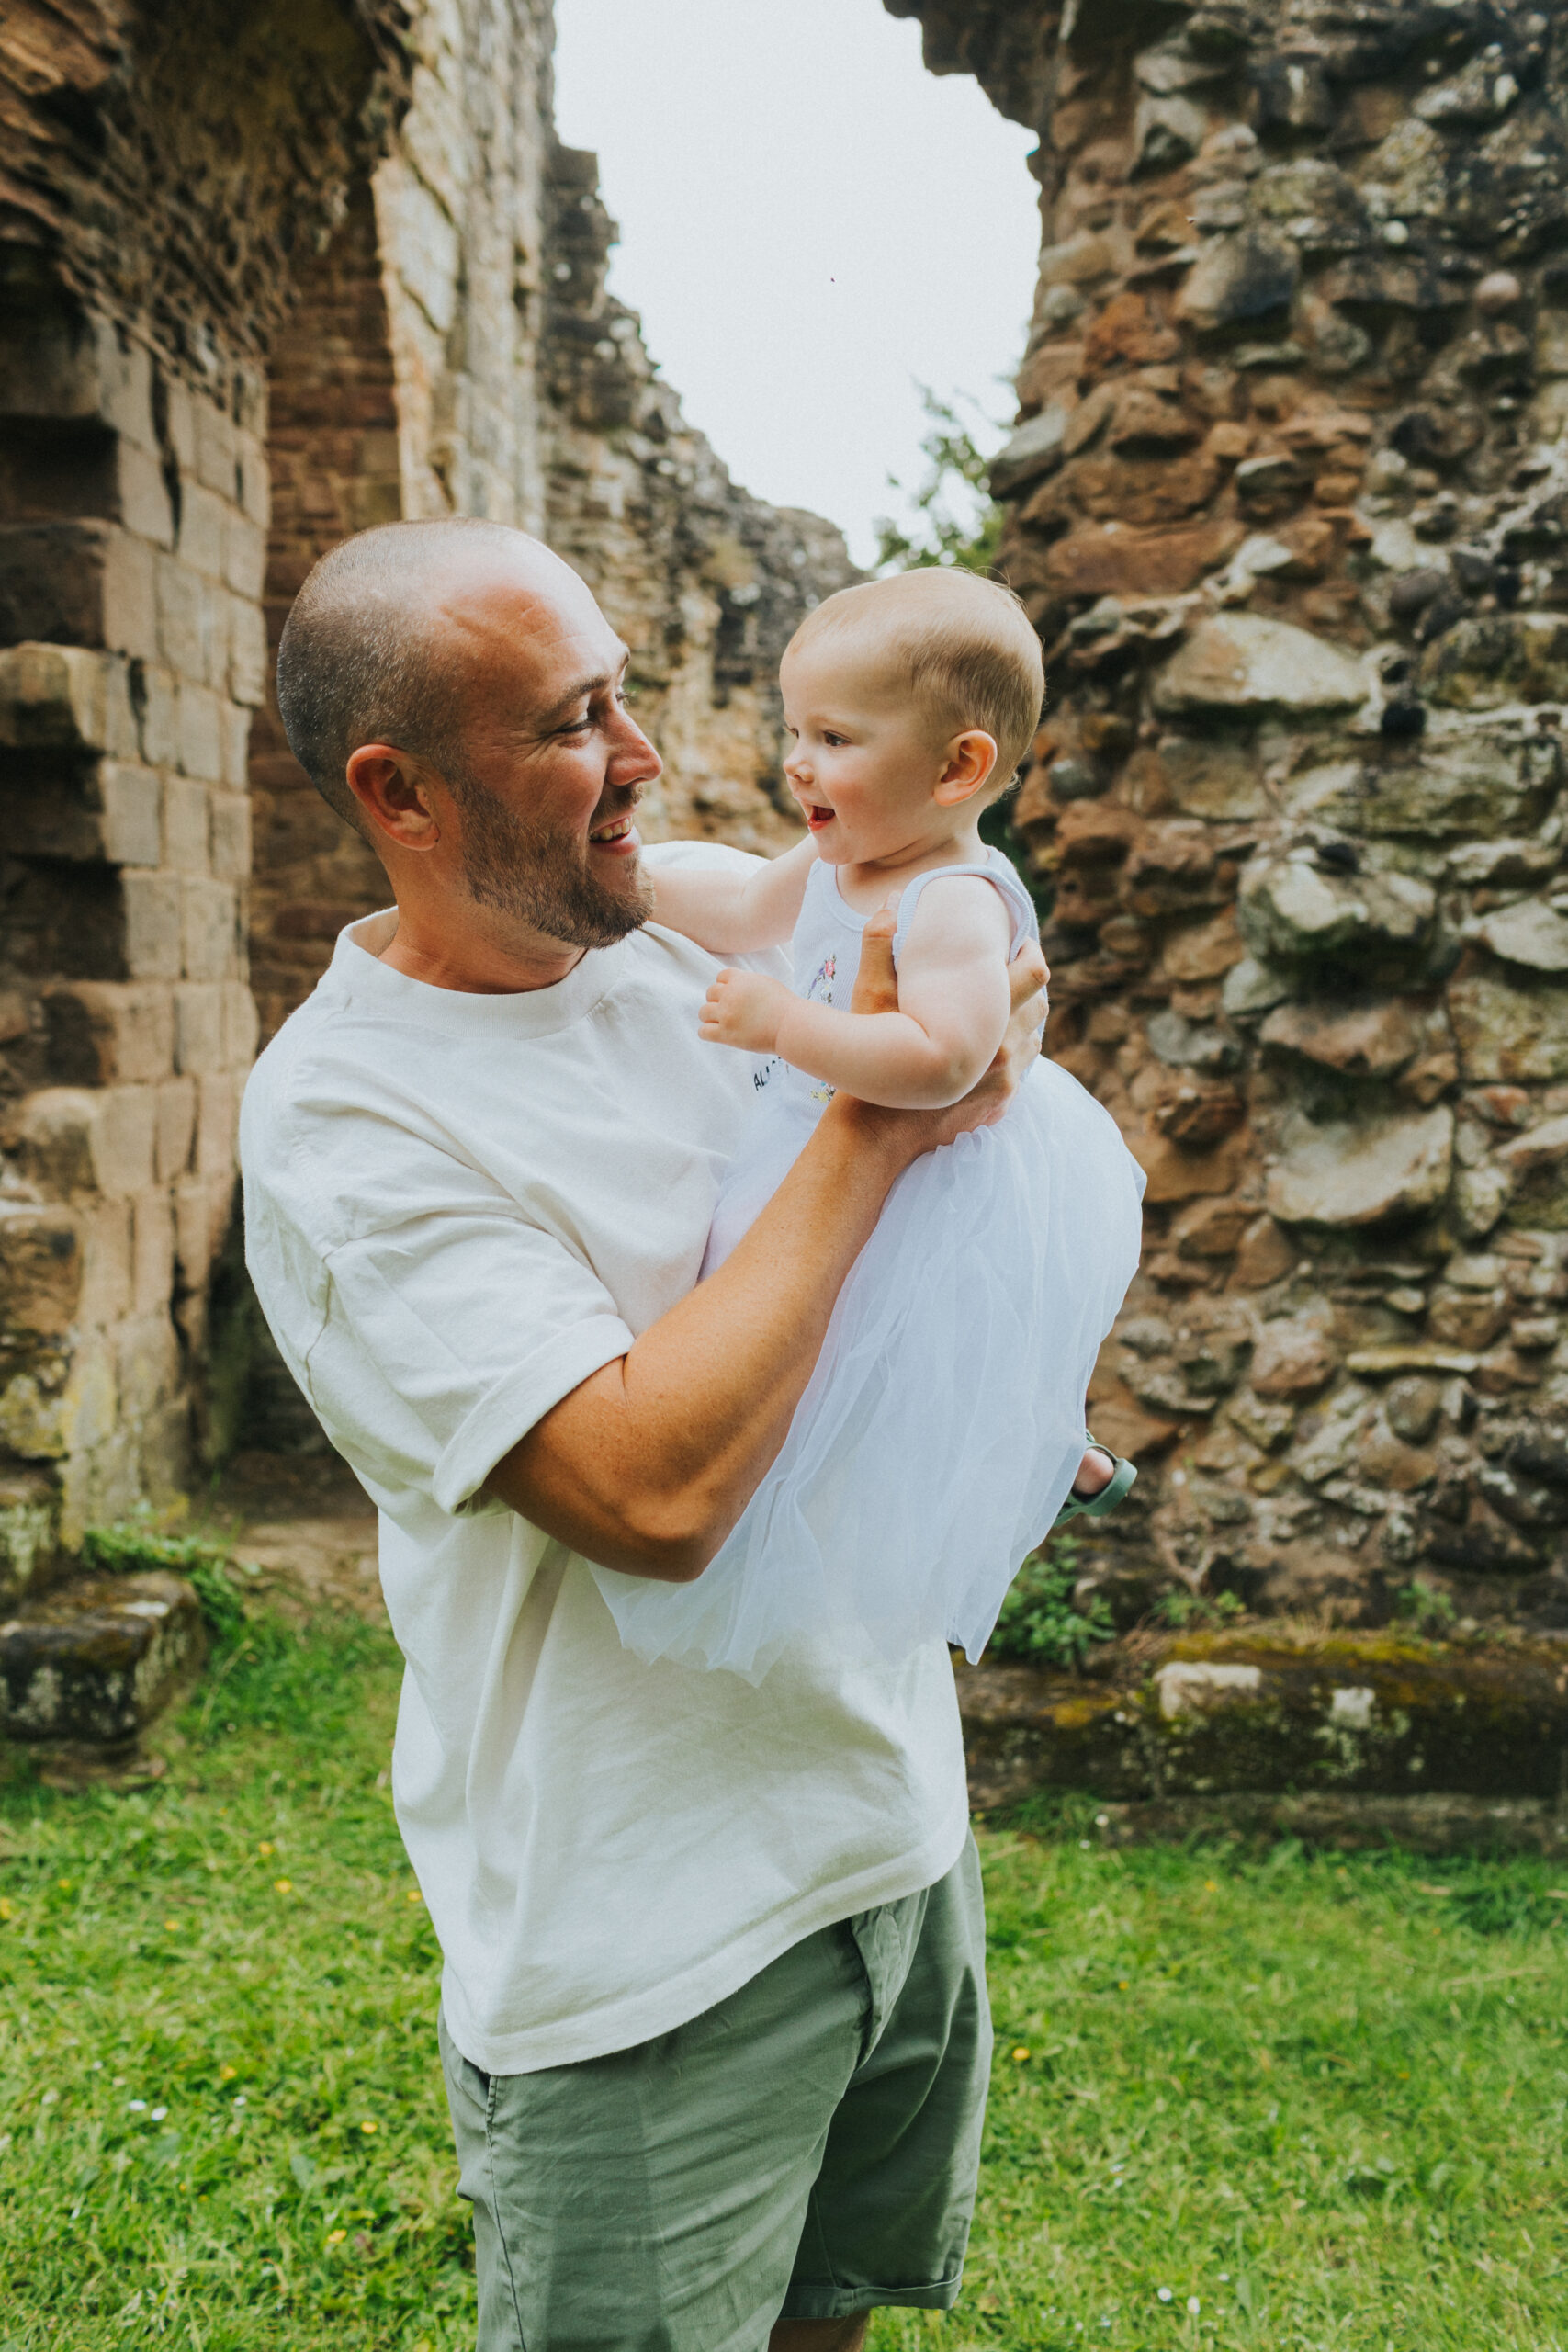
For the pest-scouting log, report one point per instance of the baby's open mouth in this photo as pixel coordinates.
(817, 816)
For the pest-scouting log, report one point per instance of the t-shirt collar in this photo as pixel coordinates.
(358, 976)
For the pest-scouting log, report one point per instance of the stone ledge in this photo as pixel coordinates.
(1274, 1712)
(1349, 1823)
(90, 1665)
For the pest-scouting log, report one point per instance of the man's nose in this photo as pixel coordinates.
(634, 757)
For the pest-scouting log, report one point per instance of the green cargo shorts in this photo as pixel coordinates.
(805, 2150)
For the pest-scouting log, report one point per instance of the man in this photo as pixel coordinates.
(712, 2004)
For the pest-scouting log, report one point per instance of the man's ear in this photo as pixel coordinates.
(970, 759)
(393, 790)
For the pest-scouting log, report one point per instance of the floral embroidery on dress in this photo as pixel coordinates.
(822, 993)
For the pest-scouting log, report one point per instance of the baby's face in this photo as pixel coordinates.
(863, 767)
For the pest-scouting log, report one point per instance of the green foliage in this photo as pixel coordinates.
(132, 1547)
(1323, 2099)
(1422, 1605)
(1040, 1623)
(1181, 1611)
(959, 524)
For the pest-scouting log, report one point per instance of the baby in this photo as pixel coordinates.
(943, 1429)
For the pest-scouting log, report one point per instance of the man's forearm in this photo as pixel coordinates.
(648, 1465)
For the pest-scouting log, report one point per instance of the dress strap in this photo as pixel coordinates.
(1020, 905)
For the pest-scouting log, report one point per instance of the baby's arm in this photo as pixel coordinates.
(733, 914)
(953, 1008)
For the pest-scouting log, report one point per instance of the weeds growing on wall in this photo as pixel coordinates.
(1041, 1623)
(132, 1547)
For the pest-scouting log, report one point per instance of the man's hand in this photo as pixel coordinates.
(744, 1009)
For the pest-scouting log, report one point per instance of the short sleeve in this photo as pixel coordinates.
(428, 1342)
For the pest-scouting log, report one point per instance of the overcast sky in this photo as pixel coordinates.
(810, 224)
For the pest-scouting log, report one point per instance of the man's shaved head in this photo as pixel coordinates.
(464, 648)
(361, 659)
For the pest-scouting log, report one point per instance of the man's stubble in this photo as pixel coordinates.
(542, 878)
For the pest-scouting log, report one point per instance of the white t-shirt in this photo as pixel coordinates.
(456, 1208)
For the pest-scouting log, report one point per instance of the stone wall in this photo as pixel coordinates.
(1287, 500)
(272, 271)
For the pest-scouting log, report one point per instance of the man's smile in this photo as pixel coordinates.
(618, 833)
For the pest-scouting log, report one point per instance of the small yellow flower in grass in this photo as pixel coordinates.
(1121, 1985)
(413, 1896)
(283, 1886)
(336, 2237)
(370, 2127)
(227, 2074)
(1211, 1886)
(7, 1909)
(266, 1845)
(171, 1927)
(64, 1884)
(1020, 2055)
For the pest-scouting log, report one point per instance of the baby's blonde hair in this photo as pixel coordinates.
(965, 650)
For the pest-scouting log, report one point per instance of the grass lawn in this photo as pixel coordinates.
(1272, 2101)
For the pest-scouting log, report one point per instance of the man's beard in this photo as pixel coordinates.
(542, 878)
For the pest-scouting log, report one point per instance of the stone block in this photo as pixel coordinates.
(1508, 1029)
(147, 1362)
(142, 497)
(92, 1663)
(244, 555)
(240, 1027)
(84, 582)
(40, 1270)
(203, 525)
(64, 698)
(1496, 659)
(107, 814)
(1240, 279)
(201, 733)
(194, 1239)
(1478, 787)
(199, 1012)
(152, 1244)
(1290, 909)
(1240, 664)
(228, 844)
(131, 798)
(1210, 779)
(153, 939)
(130, 610)
(1034, 450)
(251, 478)
(216, 1126)
(1355, 1173)
(250, 662)
(1530, 932)
(214, 446)
(105, 1032)
(159, 716)
(175, 1128)
(234, 727)
(185, 625)
(186, 825)
(1293, 1358)
(209, 922)
(106, 1227)
(1374, 1040)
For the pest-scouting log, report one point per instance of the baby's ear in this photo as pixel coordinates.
(971, 757)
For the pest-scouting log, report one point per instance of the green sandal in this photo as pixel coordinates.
(1115, 1489)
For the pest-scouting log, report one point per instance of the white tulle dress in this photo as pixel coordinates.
(943, 1424)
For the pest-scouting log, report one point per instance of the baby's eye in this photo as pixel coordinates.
(834, 741)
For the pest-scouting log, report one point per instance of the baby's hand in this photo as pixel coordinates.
(744, 1009)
